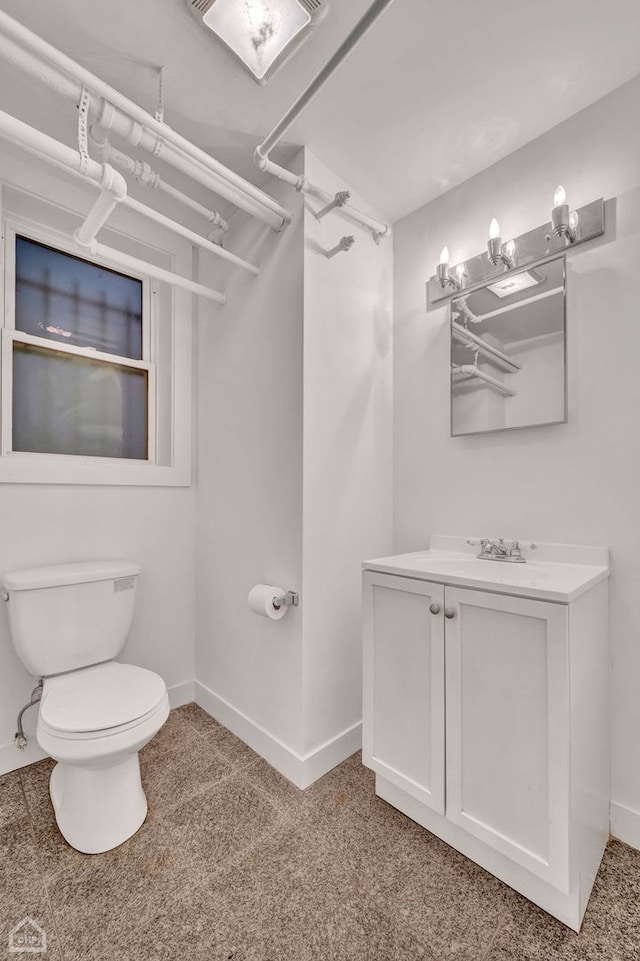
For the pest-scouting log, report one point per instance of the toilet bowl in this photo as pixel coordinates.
(68, 623)
(93, 722)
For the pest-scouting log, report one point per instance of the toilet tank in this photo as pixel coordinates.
(69, 616)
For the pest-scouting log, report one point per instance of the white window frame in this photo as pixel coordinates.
(33, 467)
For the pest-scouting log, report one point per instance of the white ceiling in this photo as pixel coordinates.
(437, 90)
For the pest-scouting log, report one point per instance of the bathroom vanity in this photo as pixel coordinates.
(486, 708)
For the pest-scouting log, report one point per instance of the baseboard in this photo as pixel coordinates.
(625, 824)
(181, 694)
(302, 770)
(11, 758)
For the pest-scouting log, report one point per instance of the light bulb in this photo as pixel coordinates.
(560, 196)
(494, 229)
(510, 249)
(574, 219)
(444, 256)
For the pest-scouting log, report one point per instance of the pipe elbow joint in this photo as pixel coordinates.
(259, 159)
(91, 245)
(113, 183)
(100, 139)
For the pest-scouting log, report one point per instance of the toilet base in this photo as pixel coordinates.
(98, 808)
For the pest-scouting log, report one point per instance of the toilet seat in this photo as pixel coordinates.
(99, 701)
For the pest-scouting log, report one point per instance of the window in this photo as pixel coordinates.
(95, 359)
(75, 401)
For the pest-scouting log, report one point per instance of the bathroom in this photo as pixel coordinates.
(303, 428)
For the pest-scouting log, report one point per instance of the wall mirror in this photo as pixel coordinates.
(508, 364)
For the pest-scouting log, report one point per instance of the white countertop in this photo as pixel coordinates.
(559, 572)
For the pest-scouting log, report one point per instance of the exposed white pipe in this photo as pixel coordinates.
(261, 154)
(212, 216)
(195, 238)
(378, 229)
(176, 280)
(60, 155)
(470, 371)
(148, 177)
(34, 55)
(113, 190)
(467, 338)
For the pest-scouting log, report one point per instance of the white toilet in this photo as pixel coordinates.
(68, 622)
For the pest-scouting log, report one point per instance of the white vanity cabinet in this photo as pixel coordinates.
(485, 719)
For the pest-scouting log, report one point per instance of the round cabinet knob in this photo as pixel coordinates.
(434, 608)
(449, 612)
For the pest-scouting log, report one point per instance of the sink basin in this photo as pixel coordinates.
(561, 574)
(481, 569)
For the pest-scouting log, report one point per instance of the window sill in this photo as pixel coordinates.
(31, 469)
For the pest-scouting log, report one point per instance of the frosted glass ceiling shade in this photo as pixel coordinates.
(258, 31)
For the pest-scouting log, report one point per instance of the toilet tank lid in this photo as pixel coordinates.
(59, 575)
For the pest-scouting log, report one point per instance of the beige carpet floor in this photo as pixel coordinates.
(236, 864)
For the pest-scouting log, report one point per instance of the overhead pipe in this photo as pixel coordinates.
(113, 190)
(190, 235)
(261, 154)
(66, 158)
(141, 171)
(141, 266)
(34, 55)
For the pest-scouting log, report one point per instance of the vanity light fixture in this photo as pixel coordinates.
(446, 277)
(567, 230)
(500, 253)
(563, 221)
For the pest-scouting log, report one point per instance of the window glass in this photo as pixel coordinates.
(67, 299)
(66, 404)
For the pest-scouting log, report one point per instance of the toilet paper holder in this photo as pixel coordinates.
(290, 599)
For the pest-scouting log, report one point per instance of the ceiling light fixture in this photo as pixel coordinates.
(259, 32)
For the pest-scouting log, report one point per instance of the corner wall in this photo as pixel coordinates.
(575, 483)
(249, 482)
(347, 450)
(294, 480)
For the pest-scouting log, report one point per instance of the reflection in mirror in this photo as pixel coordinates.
(508, 353)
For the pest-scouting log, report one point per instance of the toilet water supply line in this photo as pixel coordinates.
(115, 112)
(261, 154)
(20, 737)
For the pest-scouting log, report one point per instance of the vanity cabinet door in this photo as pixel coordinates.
(508, 761)
(403, 684)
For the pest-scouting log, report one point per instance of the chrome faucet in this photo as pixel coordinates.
(501, 551)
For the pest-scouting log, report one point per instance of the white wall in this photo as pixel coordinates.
(294, 483)
(579, 482)
(249, 477)
(347, 485)
(45, 524)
